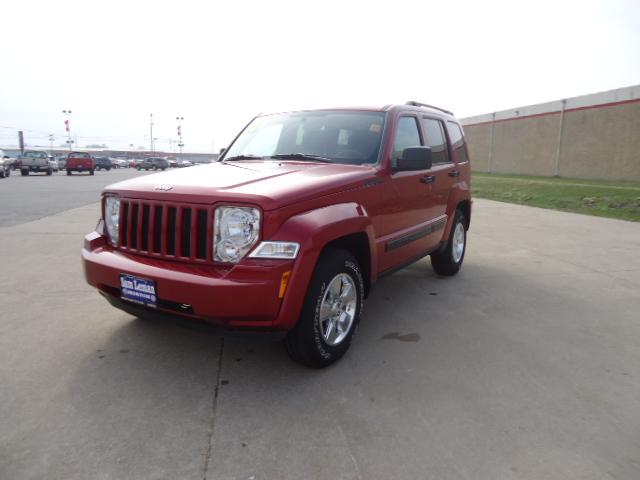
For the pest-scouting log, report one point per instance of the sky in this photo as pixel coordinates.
(220, 63)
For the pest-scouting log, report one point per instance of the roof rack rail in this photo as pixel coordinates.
(418, 104)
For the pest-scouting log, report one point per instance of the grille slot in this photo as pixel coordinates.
(201, 250)
(166, 230)
(157, 230)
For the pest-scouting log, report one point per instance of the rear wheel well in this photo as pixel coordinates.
(358, 245)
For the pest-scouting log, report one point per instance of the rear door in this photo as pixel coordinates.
(443, 168)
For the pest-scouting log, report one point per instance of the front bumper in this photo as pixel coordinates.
(242, 297)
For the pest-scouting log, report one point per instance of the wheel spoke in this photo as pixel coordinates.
(346, 289)
(325, 310)
(329, 330)
(334, 289)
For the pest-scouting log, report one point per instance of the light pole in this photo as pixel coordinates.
(151, 129)
(180, 144)
(67, 126)
(51, 139)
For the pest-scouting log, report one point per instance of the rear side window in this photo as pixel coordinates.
(457, 142)
(407, 135)
(78, 155)
(436, 139)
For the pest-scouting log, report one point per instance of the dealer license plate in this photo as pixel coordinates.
(138, 290)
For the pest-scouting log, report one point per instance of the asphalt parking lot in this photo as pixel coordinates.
(524, 366)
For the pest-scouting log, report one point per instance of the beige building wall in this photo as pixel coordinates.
(479, 144)
(602, 143)
(526, 146)
(600, 138)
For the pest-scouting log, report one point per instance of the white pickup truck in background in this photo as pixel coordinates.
(33, 161)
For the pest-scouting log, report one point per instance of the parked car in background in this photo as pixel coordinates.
(5, 165)
(80, 162)
(62, 161)
(103, 163)
(153, 163)
(32, 161)
(9, 161)
(173, 163)
(185, 163)
(54, 163)
(119, 163)
(290, 234)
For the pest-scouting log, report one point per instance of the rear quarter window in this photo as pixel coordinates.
(457, 142)
(434, 130)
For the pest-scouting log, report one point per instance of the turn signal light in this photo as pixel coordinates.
(283, 283)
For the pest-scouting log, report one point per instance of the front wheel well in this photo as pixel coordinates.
(465, 207)
(358, 245)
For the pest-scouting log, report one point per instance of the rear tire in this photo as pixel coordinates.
(449, 261)
(24, 173)
(68, 172)
(331, 311)
(90, 172)
(49, 172)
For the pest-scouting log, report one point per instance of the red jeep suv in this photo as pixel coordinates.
(290, 230)
(80, 162)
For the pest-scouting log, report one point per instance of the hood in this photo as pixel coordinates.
(269, 184)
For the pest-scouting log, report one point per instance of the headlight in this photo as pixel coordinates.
(236, 232)
(112, 217)
(282, 250)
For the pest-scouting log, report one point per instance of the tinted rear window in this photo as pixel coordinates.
(434, 130)
(457, 142)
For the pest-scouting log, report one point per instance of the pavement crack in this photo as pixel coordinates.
(212, 418)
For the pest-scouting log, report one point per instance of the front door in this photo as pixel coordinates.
(408, 224)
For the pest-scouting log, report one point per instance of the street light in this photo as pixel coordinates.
(180, 144)
(67, 126)
(151, 130)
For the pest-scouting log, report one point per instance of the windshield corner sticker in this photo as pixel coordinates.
(375, 127)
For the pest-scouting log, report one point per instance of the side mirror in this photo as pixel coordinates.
(222, 150)
(415, 158)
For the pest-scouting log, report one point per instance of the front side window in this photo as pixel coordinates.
(407, 135)
(349, 137)
(436, 139)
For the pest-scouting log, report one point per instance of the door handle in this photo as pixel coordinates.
(454, 173)
(428, 179)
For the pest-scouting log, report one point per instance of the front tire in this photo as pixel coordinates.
(331, 311)
(449, 261)
(24, 173)
(90, 172)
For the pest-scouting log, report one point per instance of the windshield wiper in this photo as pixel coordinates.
(301, 156)
(243, 157)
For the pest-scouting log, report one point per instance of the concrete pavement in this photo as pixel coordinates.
(524, 366)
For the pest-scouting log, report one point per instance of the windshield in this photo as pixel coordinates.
(351, 137)
(35, 155)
